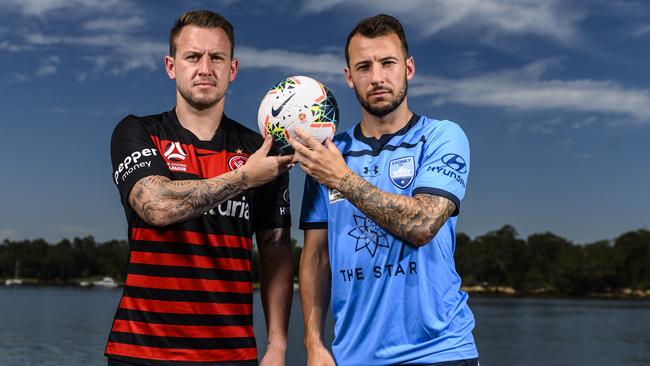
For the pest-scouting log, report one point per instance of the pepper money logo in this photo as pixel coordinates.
(132, 162)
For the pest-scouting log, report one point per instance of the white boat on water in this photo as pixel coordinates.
(107, 282)
(15, 281)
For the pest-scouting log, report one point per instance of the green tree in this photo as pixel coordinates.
(544, 253)
(501, 258)
(632, 256)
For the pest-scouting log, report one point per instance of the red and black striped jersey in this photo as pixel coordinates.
(188, 293)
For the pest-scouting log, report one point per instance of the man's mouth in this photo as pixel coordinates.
(378, 93)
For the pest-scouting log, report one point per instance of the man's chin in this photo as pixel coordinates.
(380, 109)
(203, 103)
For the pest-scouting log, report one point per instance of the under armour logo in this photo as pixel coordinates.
(371, 171)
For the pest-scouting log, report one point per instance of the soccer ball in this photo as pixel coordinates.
(297, 101)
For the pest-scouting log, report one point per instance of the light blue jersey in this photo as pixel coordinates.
(394, 303)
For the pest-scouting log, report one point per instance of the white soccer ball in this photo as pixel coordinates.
(298, 101)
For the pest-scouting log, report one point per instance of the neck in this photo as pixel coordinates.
(374, 126)
(203, 123)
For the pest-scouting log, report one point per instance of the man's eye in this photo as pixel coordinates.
(192, 58)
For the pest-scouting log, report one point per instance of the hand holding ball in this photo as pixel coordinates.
(297, 102)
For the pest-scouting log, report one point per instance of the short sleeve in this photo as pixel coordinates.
(313, 214)
(274, 207)
(134, 156)
(444, 168)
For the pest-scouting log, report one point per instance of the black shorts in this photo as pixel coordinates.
(114, 362)
(472, 362)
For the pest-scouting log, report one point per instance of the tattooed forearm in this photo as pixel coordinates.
(161, 201)
(414, 219)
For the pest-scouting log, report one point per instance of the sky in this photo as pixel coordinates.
(554, 97)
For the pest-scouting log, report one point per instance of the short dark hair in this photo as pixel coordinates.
(204, 19)
(378, 25)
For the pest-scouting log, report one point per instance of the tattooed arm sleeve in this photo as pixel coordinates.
(144, 179)
(413, 219)
(160, 201)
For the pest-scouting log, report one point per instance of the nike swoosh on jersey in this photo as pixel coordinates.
(275, 112)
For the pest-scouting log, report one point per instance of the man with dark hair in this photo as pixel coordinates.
(379, 213)
(196, 186)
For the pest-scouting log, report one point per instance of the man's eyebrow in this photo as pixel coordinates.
(362, 62)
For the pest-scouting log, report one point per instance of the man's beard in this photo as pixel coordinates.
(199, 103)
(382, 111)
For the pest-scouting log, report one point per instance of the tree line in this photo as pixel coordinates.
(541, 263)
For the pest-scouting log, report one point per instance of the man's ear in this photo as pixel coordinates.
(169, 67)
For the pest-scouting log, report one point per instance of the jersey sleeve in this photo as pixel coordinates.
(313, 214)
(444, 168)
(134, 156)
(273, 202)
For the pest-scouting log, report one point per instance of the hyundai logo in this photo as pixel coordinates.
(455, 162)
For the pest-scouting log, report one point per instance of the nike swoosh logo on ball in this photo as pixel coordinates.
(275, 112)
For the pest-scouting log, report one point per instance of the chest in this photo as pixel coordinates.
(199, 160)
(390, 170)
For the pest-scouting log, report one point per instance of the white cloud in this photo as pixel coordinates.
(45, 70)
(525, 90)
(41, 8)
(118, 25)
(642, 31)
(317, 6)
(129, 53)
(103, 27)
(11, 47)
(17, 78)
(552, 19)
(49, 66)
(326, 64)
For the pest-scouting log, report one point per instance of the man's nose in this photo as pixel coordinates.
(377, 76)
(204, 65)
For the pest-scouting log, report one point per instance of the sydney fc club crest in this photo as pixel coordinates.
(401, 171)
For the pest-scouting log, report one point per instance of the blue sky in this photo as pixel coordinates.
(554, 97)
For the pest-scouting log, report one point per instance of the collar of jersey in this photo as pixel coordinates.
(222, 127)
(378, 143)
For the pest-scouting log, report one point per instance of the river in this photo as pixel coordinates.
(69, 326)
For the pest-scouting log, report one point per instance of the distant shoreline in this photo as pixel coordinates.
(507, 291)
(478, 290)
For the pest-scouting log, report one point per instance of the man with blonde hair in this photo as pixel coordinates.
(196, 186)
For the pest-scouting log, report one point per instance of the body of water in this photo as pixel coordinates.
(70, 326)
